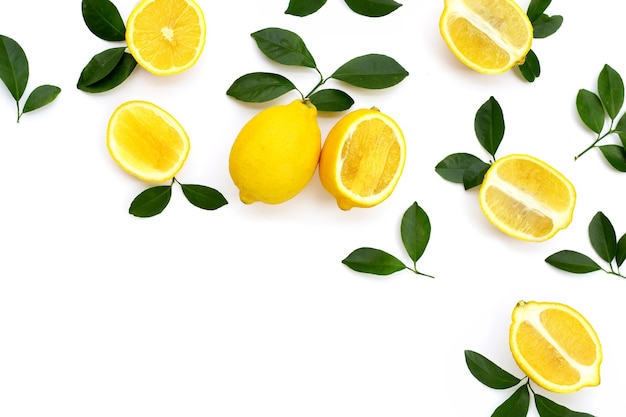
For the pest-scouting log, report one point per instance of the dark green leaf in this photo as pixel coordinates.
(284, 47)
(548, 408)
(545, 25)
(373, 261)
(203, 197)
(104, 20)
(620, 129)
(488, 372)
(117, 76)
(590, 110)
(602, 236)
(151, 201)
(489, 125)
(530, 69)
(41, 96)
(516, 405)
(415, 231)
(615, 155)
(331, 100)
(259, 87)
(611, 91)
(536, 8)
(373, 8)
(13, 67)
(304, 7)
(571, 261)
(100, 66)
(453, 167)
(473, 176)
(372, 71)
(620, 254)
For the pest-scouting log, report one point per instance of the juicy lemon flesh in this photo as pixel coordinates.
(147, 142)
(276, 153)
(555, 346)
(489, 36)
(526, 198)
(166, 36)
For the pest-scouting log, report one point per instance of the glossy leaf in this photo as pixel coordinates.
(373, 8)
(13, 67)
(489, 125)
(304, 7)
(536, 8)
(530, 69)
(204, 197)
(516, 405)
(103, 20)
(331, 100)
(602, 236)
(474, 175)
(548, 408)
(615, 155)
(545, 25)
(41, 96)
(488, 372)
(590, 110)
(611, 91)
(453, 167)
(620, 253)
(259, 87)
(117, 76)
(620, 129)
(373, 261)
(373, 71)
(284, 47)
(572, 261)
(415, 231)
(100, 66)
(151, 202)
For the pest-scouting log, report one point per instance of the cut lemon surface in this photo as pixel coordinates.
(489, 36)
(166, 36)
(362, 158)
(555, 346)
(526, 198)
(146, 141)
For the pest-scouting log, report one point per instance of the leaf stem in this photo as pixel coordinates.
(319, 84)
(19, 113)
(414, 269)
(598, 139)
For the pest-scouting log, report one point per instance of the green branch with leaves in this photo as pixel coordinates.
(369, 8)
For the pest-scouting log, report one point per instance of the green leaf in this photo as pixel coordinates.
(536, 8)
(259, 87)
(151, 202)
(331, 100)
(489, 125)
(516, 405)
(474, 175)
(611, 91)
(530, 69)
(117, 76)
(100, 66)
(548, 408)
(615, 155)
(104, 20)
(602, 236)
(373, 261)
(41, 96)
(590, 110)
(620, 129)
(415, 231)
(572, 261)
(373, 71)
(373, 8)
(284, 47)
(304, 7)
(452, 168)
(13, 67)
(488, 372)
(545, 25)
(203, 197)
(620, 253)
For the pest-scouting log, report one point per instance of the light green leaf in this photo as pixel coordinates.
(590, 110)
(41, 96)
(373, 71)
(284, 47)
(572, 261)
(611, 91)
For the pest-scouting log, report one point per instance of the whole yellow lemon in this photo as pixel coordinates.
(276, 153)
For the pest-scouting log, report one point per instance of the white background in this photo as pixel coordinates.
(248, 310)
